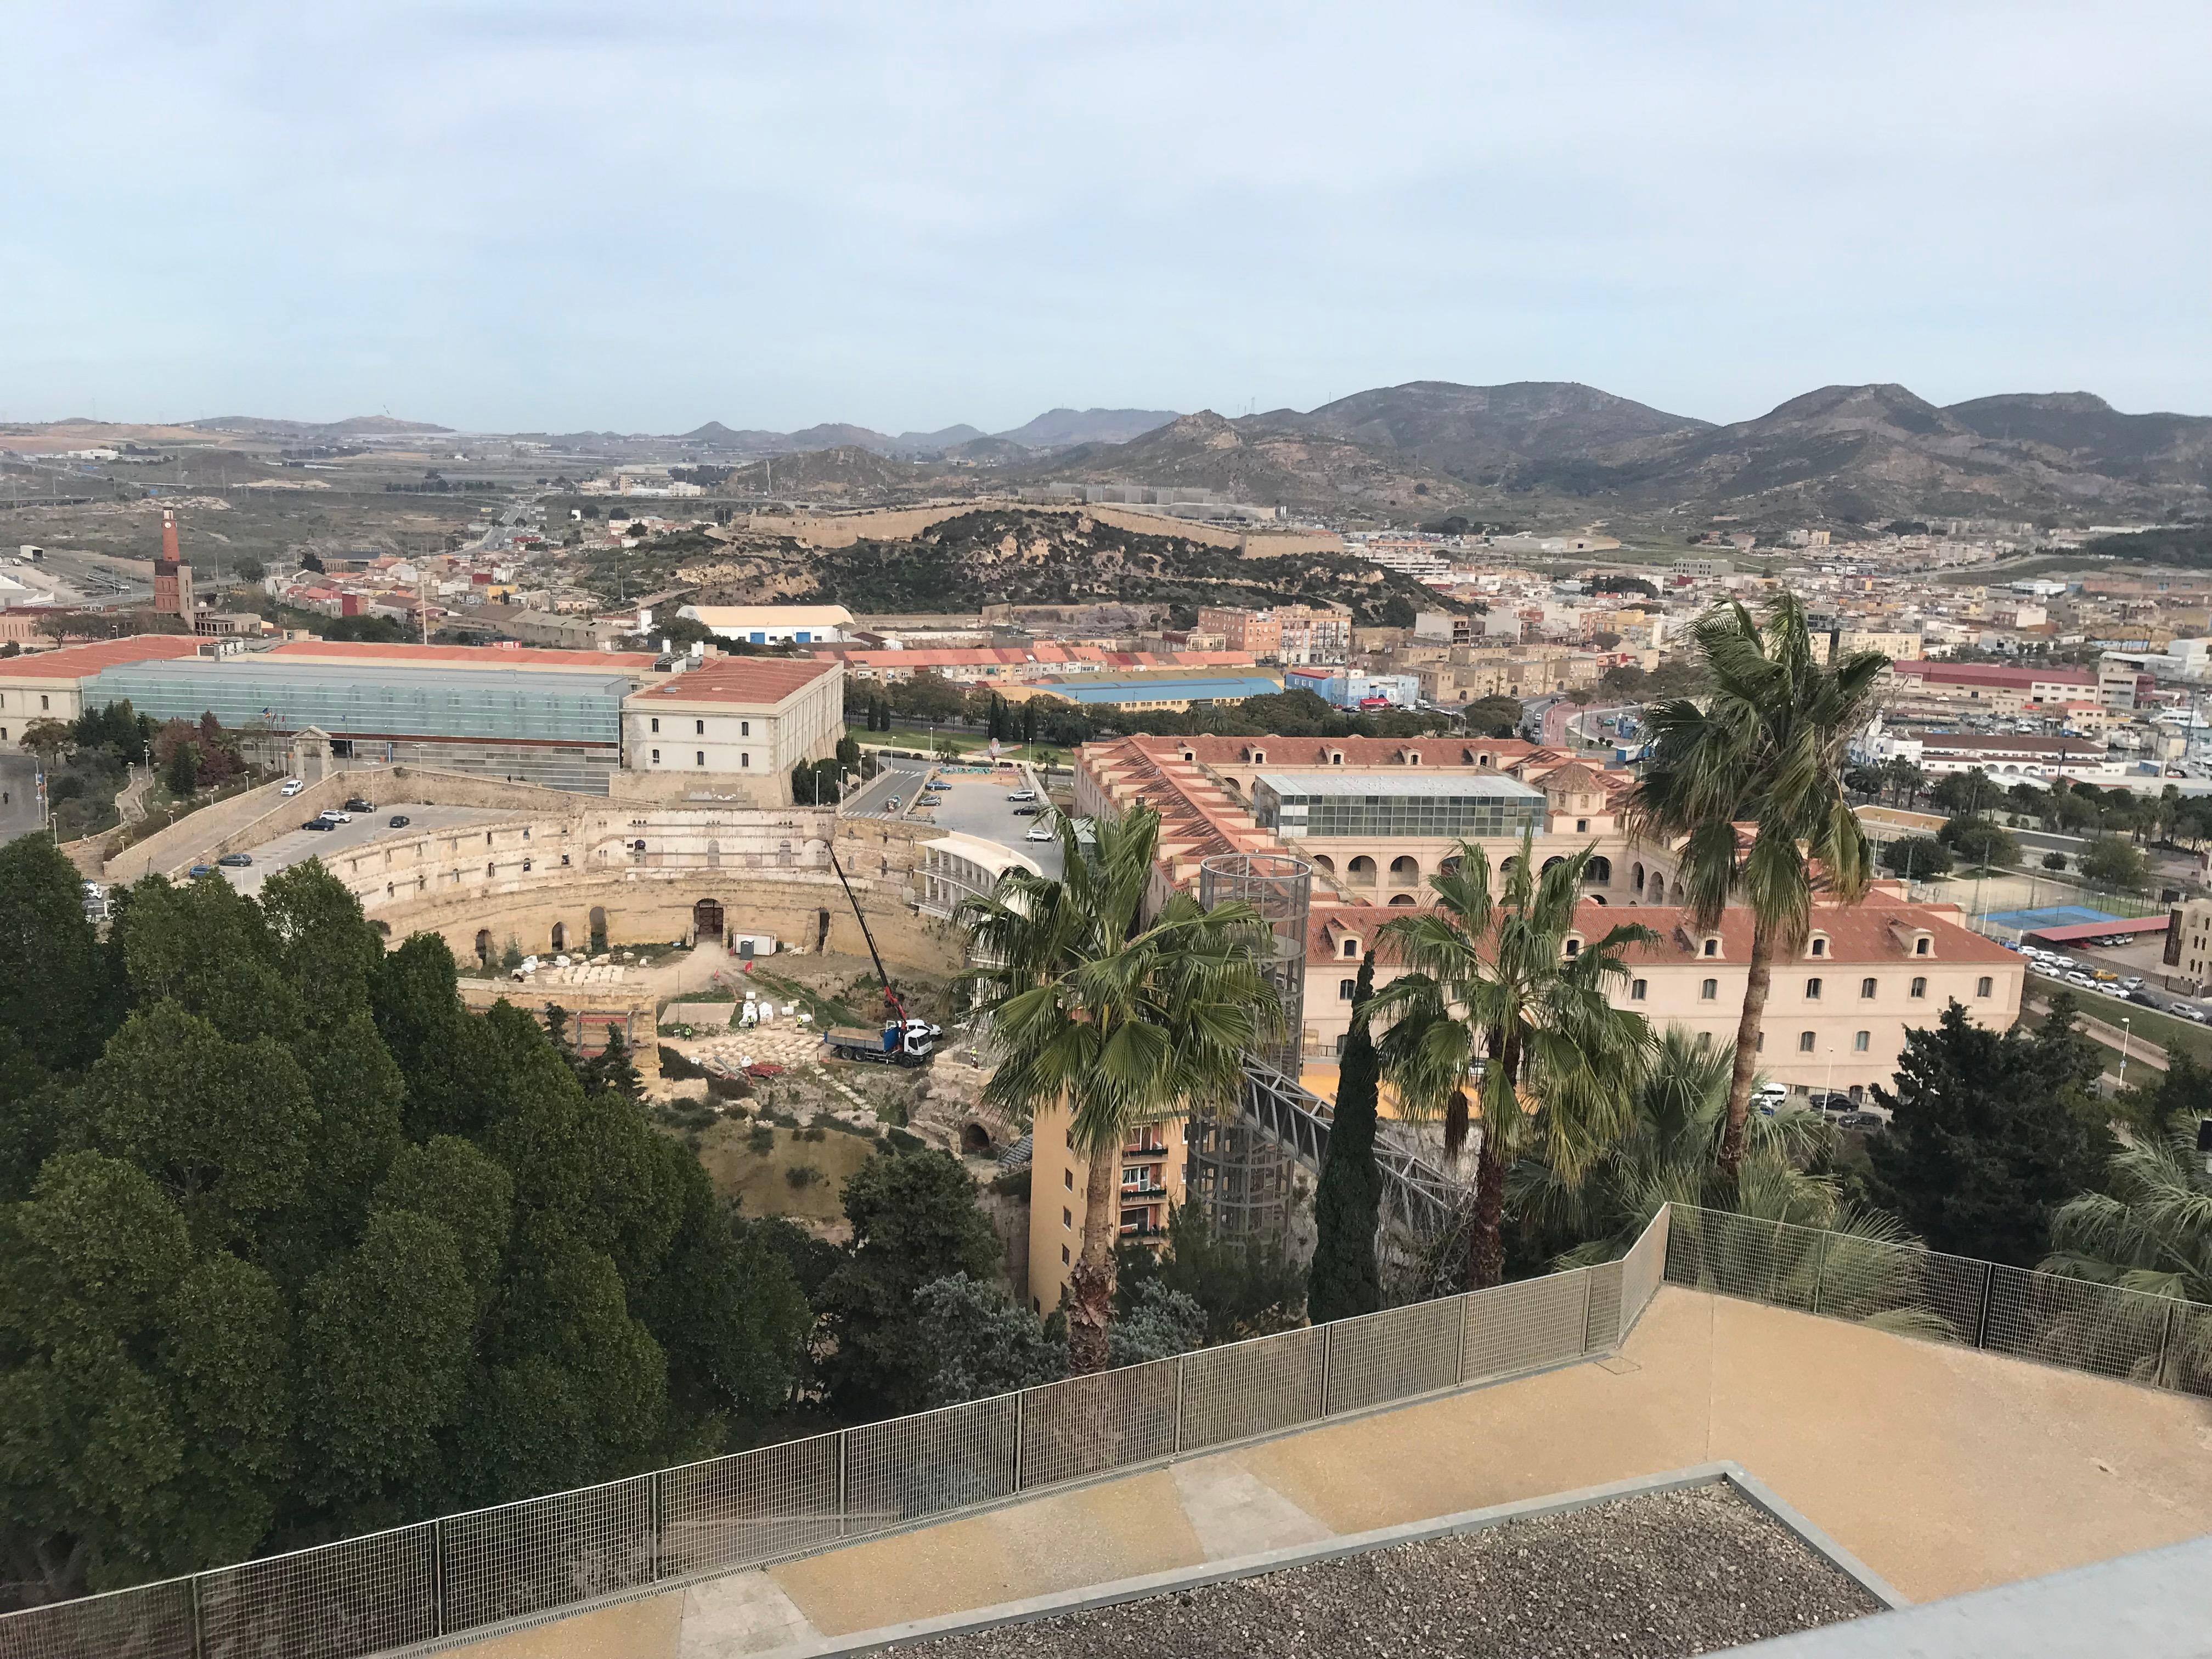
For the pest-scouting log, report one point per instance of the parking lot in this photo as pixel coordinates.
(297, 846)
(978, 807)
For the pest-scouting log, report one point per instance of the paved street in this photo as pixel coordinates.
(901, 778)
(296, 846)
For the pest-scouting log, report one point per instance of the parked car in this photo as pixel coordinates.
(2079, 980)
(318, 824)
(1039, 832)
(236, 861)
(1022, 794)
(357, 805)
(2133, 982)
(199, 870)
(2190, 1010)
(291, 786)
(930, 800)
(1027, 812)
(2144, 997)
(397, 821)
(331, 815)
(1832, 1103)
(1862, 1121)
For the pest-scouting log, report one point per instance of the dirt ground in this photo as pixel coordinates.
(761, 1180)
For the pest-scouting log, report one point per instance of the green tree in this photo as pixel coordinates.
(1493, 717)
(1988, 1135)
(56, 988)
(1979, 842)
(49, 740)
(1508, 979)
(1344, 1278)
(2149, 1230)
(2114, 861)
(1923, 857)
(180, 774)
(1766, 747)
(1159, 1324)
(914, 1219)
(1120, 1017)
(986, 1344)
(1241, 1287)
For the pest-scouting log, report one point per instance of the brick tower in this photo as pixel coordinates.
(173, 577)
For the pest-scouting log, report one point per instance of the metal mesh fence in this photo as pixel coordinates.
(1394, 1354)
(154, 1621)
(1769, 1262)
(547, 1553)
(343, 1600)
(1524, 1326)
(1087, 1424)
(1643, 1270)
(1601, 1320)
(1253, 1387)
(2076, 1324)
(1897, 1287)
(2189, 1351)
(756, 1507)
(909, 1466)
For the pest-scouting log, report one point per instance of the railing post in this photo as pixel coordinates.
(844, 1501)
(1181, 1365)
(438, 1575)
(1819, 1267)
(1021, 1403)
(1325, 1346)
(1466, 1300)
(1982, 1320)
(200, 1619)
(653, 1533)
(2165, 1344)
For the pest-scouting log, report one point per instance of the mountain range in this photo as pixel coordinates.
(1056, 428)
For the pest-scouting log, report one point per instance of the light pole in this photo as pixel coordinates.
(2126, 1021)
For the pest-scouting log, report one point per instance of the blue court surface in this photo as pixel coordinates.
(2053, 915)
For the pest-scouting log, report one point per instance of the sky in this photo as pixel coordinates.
(641, 216)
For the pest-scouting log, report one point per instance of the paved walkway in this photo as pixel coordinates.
(1945, 1470)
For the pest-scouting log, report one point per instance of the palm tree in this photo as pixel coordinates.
(2150, 1231)
(1126, 1017)
(1766, 748)
(1499, 980)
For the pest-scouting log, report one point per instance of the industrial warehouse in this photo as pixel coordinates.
(552, 717)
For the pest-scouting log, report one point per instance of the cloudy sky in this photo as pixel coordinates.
(644, 215)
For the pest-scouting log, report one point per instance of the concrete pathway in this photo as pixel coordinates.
(1943, 1469)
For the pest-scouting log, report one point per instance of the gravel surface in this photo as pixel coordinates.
(1689, 1571)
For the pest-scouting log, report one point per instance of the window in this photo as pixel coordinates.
(1860, 1042)
(1812, 990)
(1712, 947)
(1352, 947)
(43, 702)
(1345, 989)
(1919, 987)
(1067, 1220)
(1983, 986)
(744, 728)
(1581, 826)
(1758, 1042)
(1866, 988)
(656, 758)
(1638, 989)
(1820, 947)
(1804, 1043)
(698, 728)
(1704, 1040)
(1574, 947)
(1920, 947)
(701, 756)
(1063, 1255)
(1709, 990)
(745, 760)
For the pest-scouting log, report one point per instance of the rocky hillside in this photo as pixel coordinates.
(2081, 430)
(1269, 466)
(1011, 556)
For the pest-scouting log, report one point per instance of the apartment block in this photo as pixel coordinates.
(1148, 1183)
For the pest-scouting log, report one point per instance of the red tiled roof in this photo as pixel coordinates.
(1357, 752)
(468, 656)
(741, 679)
(1992, 673)
(75, 662)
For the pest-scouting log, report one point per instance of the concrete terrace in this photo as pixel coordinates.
(1943, 1469)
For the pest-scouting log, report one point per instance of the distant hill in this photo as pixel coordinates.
(2081, 430)
(1250, 462)
(357, 426)
(1059, 429)
(846, 470)
(1470, 430)
(950, 437)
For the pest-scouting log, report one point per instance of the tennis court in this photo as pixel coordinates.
(2052, 915)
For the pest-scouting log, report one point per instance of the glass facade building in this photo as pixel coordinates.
(1463, 807)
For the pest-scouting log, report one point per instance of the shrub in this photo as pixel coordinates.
(677, 1066)
(812, 1132)
(900, 1141)
(802, 1175)
(761, 1139)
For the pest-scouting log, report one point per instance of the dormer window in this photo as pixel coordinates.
(1923, 946)
(1259, 757)
(1482, 760)
(1336, 758)
(1712, 947)
(1820, 946)
(1574, 946)
(1413, 757)
(1352, 947)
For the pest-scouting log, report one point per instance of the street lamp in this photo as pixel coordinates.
(2126, 1021)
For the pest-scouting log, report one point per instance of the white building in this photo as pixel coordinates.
(773, 624)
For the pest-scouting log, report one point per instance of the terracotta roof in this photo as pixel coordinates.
(74, 662)
(467, 656)
(1991, 673)
(1357, 752)
(741, 679)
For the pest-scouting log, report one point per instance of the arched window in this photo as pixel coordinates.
(1550, 864)
(1598, 872)
(1709, 990)
(1804, 1043)
(1405, 871)
(1345, 988)
(1638, 989)
(1812, 990)
(1658, 893)
(1919, 987)
(1360, 872)
(1866, 988)
(1401, 898)
(1352, 947)
(1636, 878)
(1325, 864)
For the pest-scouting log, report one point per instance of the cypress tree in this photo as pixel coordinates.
(1345, 1279)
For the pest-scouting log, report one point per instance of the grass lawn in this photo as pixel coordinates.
(760, 1181)
(2178, 1035)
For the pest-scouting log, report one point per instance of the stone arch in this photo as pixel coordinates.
(1658, 892)
(484, 945)
(1550, 865)
(560, 936)
(1401, 898)
(975, 1139)
(706, 920)
(713, 855)
(1404, 871)
(1325, 864)
(1598, 872)
(1636, 877)
(597, 923)
(1360, 872)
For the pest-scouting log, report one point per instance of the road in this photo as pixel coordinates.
(19, 782)
(297, 846)
(901, 778)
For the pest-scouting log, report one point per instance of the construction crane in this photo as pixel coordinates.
(906, 1036)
